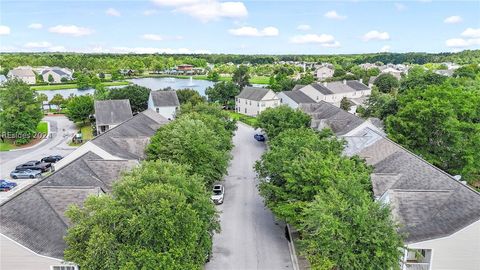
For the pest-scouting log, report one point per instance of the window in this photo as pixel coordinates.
(250, 102)
(64, 267)
(245, 110)
(103, 128)
(263, 104)
(157, 109)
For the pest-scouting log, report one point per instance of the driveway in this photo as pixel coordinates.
(61, 130)
(250, 238)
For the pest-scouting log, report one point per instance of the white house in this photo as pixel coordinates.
(253, 100)
(24, 74)
(3, 79)
(57, 74)
(324, 72)
(164, 102)
(294, 98)
(334, 92)
(110, 113)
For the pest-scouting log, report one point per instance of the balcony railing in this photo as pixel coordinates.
(417, 266)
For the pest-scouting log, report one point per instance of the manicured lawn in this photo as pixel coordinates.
(249, 120)
(6, 146)
(42, 127)
(87, 132)
(73, 85)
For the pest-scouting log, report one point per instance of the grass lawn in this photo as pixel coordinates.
(249, 120)
(42, 127)
(6, 146)
(86, 130)
(73, 85)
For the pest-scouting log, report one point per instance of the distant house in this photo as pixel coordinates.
(324, 72)
(110, 113)
(164, 103)
(57, 74)
(24, 74)
(334, 92)
(3, 79)
(253, 100)
(390, 70)
(445, 72)
(294, 98)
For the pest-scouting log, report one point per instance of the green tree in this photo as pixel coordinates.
(275, 120)
(138, 96)
(306, 79)
(241, 77)
(158, 216)
(210, 109)
(20, 111)
(223, 93)
(380, 105)
(345, 104)
(64, 80)
(190, 141)
(50, 78)
(101, 92)
(470, 71)
(83, 81)
(79, 108)
(58, 101)
(42, 98)
(213, 76)
(386, 83)
(189, 96)
(39, 78)
(339, 72)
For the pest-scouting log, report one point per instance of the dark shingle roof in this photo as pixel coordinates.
(253, 93)
(35, 217)
(129, 139)
(163, 98)
(58, 71)
(321, 88)
(297, 87)
(357, 85)
(299, 97)
(428, 202)
(112, 112)
(325, 114)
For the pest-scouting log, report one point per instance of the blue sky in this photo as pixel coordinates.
(246, 27)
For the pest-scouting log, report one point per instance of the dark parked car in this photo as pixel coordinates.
(259, 137)
(51, 159)
(27, 173)
(7, 185)
(34, 165)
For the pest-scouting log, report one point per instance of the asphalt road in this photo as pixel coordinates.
(251, 238)
(56, 143)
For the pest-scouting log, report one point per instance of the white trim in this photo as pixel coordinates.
(40, 255)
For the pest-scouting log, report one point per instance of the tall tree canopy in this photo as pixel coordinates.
(223, 93)
(138, 96)
(386, 83)
(189, 96)
(241, 77)
(275, 120)
(20, 111)
(79, 108)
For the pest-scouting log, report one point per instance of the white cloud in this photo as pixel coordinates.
(4, 30)
(149, 12)
(324, 40)
(471, 33)
(37, 44)
(206, 10)
(57, 49)
(304, 27)
(72, 30)
(153, 37)
(332, 14)
(248, 31)
(400, 6)
(151, 50)
(113, 12)
(453, 19)
(376, 35)
(35, 26)
(385, 48)
(461, 43)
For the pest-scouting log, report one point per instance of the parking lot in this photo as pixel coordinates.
(61, 131)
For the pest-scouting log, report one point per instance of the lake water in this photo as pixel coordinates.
(152, 83)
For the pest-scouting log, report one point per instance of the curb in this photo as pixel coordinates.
(38, 144)
(291, 248)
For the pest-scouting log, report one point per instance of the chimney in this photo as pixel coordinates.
(361, 80)
(344, 81)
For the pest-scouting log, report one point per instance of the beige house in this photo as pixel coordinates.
(254, 100)
(57, 75)
(334, 92)
(324, 72)
(24, 74)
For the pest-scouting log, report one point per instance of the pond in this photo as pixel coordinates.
(152, 83)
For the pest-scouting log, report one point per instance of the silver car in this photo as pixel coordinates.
(26, 174)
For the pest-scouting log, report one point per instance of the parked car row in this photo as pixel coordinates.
(34, 168)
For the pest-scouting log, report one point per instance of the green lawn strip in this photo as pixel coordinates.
(249, 120)
(42, 127)
(5, 146)
(73, 85)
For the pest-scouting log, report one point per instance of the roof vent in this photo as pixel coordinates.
(344, 81)
(457, 177)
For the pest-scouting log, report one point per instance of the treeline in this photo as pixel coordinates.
(158, 216)
(434, 116)
(326, 196)
(106, 62)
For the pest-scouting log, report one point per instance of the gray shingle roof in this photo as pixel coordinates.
(20, 72)
(58, 71)
(112, 112)
(129, 139)
(297, 87)
(253, 93)
(357, 85)
(325, 114)
(428, 202)
(322, 88)
(163, 98)
(299, 97)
